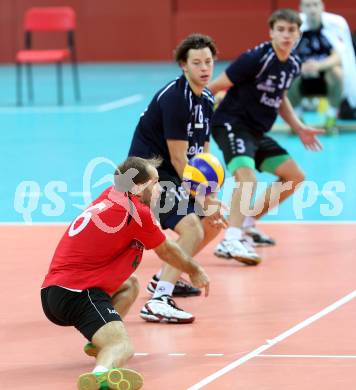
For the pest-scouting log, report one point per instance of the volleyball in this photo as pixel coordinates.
(203, 174)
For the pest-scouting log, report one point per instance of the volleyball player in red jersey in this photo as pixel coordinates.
(90, 283)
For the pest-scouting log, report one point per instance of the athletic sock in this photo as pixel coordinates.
(163, 288)
(249, 222)
(233, 233)
(100, 369)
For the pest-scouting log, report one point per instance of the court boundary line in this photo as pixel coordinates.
(307, 356)
(270, 343)
(73, 109)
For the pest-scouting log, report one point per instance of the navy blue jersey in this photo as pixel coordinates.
(313, 46)
(260, 80)
(175, 113)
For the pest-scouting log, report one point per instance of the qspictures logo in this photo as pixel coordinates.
(50, 201)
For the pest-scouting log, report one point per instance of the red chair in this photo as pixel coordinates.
(47, 19)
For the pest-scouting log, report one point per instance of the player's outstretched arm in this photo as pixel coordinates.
(170, 252)
(307, 134)
(214, 209)
(178, 154)
(312, 67)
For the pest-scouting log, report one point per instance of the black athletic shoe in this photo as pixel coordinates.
(181, 289)
(259, 238)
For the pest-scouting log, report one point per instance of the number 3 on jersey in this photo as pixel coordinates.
(284, 83)
(240, 145)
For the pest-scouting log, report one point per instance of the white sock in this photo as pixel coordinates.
(158, 274)
(163, 288)
(332, 112)
(233, 233)
(99, 369)
(248, 222)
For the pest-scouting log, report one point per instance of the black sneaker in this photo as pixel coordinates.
(181, 289)
(259, 238)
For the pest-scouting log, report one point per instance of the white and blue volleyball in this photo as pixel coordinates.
(203, 174)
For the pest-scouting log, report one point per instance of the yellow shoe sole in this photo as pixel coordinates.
(88, 381)
(124, 379)
(116, 379)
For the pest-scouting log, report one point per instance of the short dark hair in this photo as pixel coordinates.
(286, 14)
(139, 175)
(193, 41)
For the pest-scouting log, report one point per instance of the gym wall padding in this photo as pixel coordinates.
(141, 30)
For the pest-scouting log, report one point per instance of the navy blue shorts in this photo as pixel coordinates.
(175, 203)
(238, 140)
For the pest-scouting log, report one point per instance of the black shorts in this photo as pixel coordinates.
(238, 141)
(87, 310)
(174, 203)
(315, 86)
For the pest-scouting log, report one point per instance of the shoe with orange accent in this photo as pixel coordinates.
(90, 349)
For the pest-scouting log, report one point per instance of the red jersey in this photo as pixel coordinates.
(104, 245)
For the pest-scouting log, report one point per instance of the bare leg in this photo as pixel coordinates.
(290, 175)
(114, 350)
(111, 345)
(123, 299)
(243, 176)
(235, 245)
(210, 232)
(333, 79)
(114, 345)
(194, 235)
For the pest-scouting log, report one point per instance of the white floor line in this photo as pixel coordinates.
(274, 341)
(308, 356)
(214, 354)
(176, 354)
(119, 103)
(72, 109)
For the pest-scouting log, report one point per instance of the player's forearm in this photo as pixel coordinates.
(287, 113)
(171, 253)
(179, 163)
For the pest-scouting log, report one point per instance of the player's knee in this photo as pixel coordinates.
(244, 175)
(123, 349)
(129, 349)
(191, 227)
(134, 285)
(297, 177)
(334, 75)
(300, 177)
